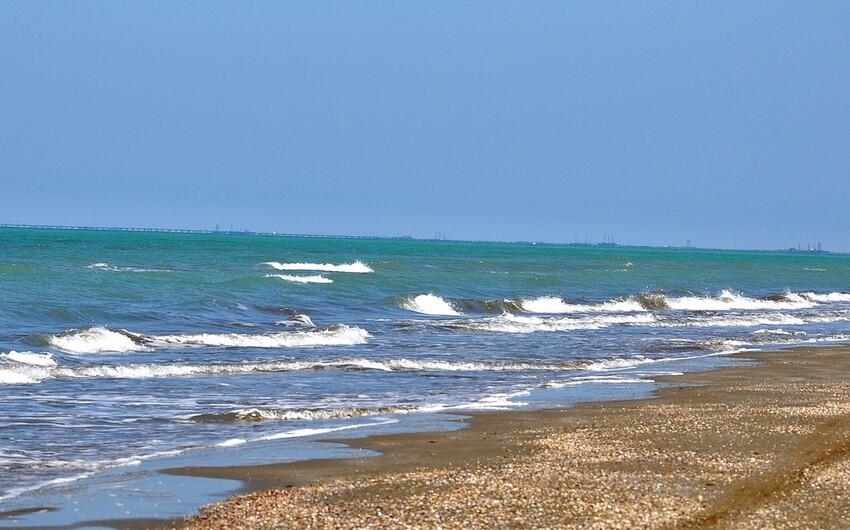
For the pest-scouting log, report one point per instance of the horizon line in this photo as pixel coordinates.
(246, 232)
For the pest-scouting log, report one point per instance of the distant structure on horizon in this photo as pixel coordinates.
(815, 249)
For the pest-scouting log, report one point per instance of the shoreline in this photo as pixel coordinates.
(760, 445)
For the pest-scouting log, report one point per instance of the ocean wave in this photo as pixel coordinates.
(784, 340)
(509, 323)
(355, 267)
(429, 304)
(826, 297)
(100, 266)
(741, 321)
(30, 374)
(301, 279)
(98, 339)
(297, 319)
(334, 336)
(17, 376)
(266, 414)
(780, 332)
(103, 340)
(725, 301)
(555, 305)
(598, 379)
(30, 358)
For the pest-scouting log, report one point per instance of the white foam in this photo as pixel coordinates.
(95, 340)
(18, 376)
(27, 374)
(103, 340)
(15, 492)
(335, 336)
(356, 267)
(826, 298)
(300, 433)
(556, 305)
(617, 364)
(727, 300)
(300, 279)
(231, 442)
(778, 331)
(254, 414)
(429, 304)
(447, 366)
(31, 358)
(508, 323)
(598, 379)
(775, 319)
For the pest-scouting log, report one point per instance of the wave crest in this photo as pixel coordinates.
(29, 374)
(98, 339)
(556, 305)
(355, 267)
(103, 340)
(726, 300)
(340, 335)
(508, 323)
(301, 279)
(30, 358)
(429, 304)
(264, 414)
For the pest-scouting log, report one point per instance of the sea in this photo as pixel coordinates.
(122, 347)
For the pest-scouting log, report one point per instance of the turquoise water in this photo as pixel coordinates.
(123, 347)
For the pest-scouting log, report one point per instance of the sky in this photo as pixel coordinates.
(723, 123)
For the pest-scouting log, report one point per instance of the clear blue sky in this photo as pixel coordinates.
(726, 123)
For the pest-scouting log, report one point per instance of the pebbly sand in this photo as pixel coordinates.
(759, 446)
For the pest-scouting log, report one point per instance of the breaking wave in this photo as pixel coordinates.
(102, 340)
(29, 374)
(429, 304)
(555, 305)
(264, 414)
(333, 336)
(509, 323)
(356, 267)
(725, 301)
(826, 298)
(98, 339)
(301, 279)
(28, 357)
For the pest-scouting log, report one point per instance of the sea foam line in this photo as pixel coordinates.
(509, 323)
(725, 301)
(355, 267)
(300, 279)
(98, 339)
(29, 374)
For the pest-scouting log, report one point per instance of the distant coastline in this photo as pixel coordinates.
(601, 244)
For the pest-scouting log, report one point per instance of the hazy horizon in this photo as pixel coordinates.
(605, 241)
(724, 124)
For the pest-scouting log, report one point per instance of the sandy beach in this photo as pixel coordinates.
(764, 445)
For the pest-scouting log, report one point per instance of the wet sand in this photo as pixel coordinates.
(758, 446)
